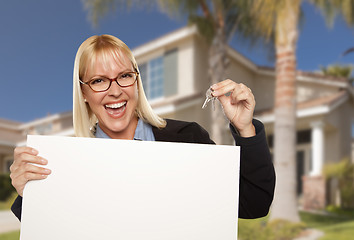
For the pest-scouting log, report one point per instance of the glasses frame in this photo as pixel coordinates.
(111, 80)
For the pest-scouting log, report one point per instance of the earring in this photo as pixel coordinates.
(85, 100)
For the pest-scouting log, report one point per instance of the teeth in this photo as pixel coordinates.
(116, 105)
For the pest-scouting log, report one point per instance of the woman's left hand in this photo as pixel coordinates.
(238, 106)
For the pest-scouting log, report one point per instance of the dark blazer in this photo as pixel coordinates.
(257, 177)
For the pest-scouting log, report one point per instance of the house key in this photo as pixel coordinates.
(209, 97)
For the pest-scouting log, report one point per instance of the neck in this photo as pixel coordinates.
(127, 133)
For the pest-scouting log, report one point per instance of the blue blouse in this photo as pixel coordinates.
(143, 132)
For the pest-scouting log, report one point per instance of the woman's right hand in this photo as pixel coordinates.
(23, 170)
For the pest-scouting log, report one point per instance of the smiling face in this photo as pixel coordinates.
(114, 108)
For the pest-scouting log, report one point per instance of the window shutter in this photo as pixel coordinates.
(170, 72)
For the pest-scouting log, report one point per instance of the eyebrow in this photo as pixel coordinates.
(102, 75)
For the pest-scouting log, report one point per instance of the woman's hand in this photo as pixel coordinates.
(238, 106)
(23, 170)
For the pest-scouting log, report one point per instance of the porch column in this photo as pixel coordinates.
(317, 141)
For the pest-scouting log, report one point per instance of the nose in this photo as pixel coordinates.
(115, 90)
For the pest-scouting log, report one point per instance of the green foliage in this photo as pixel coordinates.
(332, 8)
(6, 205)
(337, 70)
(334, 227)
(253, 229)
(343, 171)
(99, 8)
(285, 230)
(6, 189)
(10, 236)
(338, 211)
(274, 230)
(204, 26)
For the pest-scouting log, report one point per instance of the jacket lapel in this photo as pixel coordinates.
(169, 134)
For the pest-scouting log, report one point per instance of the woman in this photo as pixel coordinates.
(109, 102)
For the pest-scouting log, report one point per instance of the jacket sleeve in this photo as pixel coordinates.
(257, 175)
(16, 207)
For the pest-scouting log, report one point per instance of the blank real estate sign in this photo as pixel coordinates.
(132, 190)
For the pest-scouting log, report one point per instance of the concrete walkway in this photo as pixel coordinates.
(311, 234)
(8, 222)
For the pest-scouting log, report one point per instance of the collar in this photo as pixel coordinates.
(143, 132)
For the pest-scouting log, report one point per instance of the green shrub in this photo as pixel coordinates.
(6, 188)
(341, 212)
(285, 230)
(273, 230)
(6, 205)
(344, 172)
(253, 229)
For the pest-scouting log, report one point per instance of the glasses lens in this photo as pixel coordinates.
(100, 84)
(127, 79)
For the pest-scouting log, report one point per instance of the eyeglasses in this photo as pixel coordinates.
(101, 84)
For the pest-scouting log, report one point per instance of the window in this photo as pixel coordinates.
(159, 75)
(44, 128)
(152, 74)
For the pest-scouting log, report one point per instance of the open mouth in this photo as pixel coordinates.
(116, 109)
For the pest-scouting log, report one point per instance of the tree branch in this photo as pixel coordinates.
(205, 9)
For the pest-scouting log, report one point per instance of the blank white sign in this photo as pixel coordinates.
(132, 190)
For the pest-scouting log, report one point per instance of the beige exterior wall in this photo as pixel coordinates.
(201, 80)
(10, 135)
(186, 53)
(240, 74)
(263, 90)
(332, 146)
(310, 90)
(342, 127)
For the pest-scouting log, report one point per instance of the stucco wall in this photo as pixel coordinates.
(263, 90)
(338, 137)
(10, 135)
(342, 127)
(240, 74)
(332, 140)
(307, 91)
(185, 67)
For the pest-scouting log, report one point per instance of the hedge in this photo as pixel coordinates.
(6, 188)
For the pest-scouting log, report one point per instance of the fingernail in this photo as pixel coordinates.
(46, 171)
(34, 151)
(213, 86)
(44, 161)
(44, 176)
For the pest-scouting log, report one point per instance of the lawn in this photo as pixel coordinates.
(334, 227)
(339, 228)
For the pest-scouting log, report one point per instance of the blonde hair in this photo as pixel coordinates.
(84, 120)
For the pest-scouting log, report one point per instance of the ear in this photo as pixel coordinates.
(84, 95)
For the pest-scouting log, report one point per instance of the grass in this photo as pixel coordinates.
(10, 236)
(334, 227)
(338, 227)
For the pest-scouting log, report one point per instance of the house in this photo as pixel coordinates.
(174, 69)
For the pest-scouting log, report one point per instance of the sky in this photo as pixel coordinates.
(39, 40)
